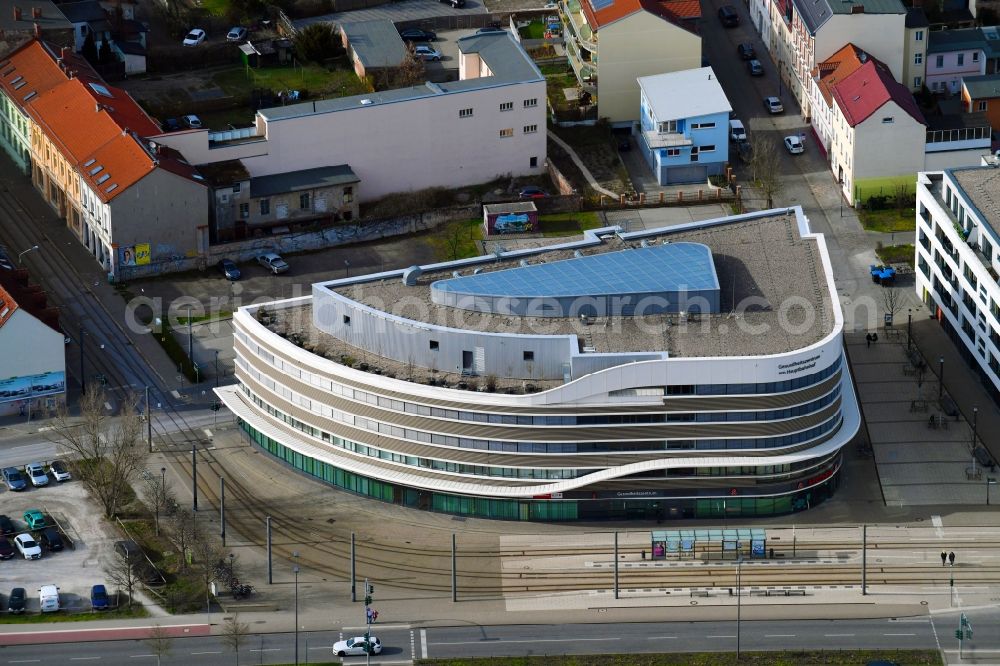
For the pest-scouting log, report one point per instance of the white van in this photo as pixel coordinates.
(737, 132)
(48, 598)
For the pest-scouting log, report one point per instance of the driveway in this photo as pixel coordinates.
(807, 181)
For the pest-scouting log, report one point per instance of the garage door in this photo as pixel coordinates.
(687, 174)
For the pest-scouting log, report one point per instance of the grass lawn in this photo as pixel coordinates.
(214, 7)
(555, 70)
(319, 81)
(568, 224)
(62, 616)
(888, 220)
(457, 240)
(896, 254)
(534, 30)
(790, 658)
(554, 86)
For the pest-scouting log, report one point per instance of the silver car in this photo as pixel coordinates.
(272, 262)
(36, 474)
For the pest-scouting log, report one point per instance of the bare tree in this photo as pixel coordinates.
(764, 166)
(159, 642)
(891, 301)
(160, 497)
(207, 554)
(234, 634)
(184, 532)
(451, 238)
(109, 449)
(126, 575)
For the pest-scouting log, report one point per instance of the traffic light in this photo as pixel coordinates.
(958, 634)
(215, 407)
(368, 600)
(371, 589)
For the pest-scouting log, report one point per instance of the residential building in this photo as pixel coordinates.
(88, 17)
(684, 125)
(245, 207)
(807, 32)
(915, 52)
(91, 159)
(953, 55)
(956, 140)
(20, 21)
(825, 75)
(981, 94)
(611, 44)
(489, 122)
(878, 131)
(958, 240)
(373, 46)
(33, 363)
(621, 376)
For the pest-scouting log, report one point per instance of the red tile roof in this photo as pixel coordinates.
(678, 12)
(869, 88)
(37, 67)
(834, 69)
(7, 306)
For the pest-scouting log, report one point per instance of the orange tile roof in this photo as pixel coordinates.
(7, 306)
(674, 11)
(37, 67)
(836, 68)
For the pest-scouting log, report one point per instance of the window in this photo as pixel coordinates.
(533, 162)
(347, 320)
(702, 125)
(939, 61)
(707, 149)
(304, 201)
(918, 35)
(528, 355)
(505, 133)
(265, 206)
(960, 59)
(236, 188)
(981, 105)
(918, 58)
(673, 152)
(975, 56)
(694, 153)
(888, 120)
(668, 126)
(348, 195)
(917, 81)
(465, 113)
(434, 345)
(530, 129)
(528, 103)
(507, 106)
(244, 211)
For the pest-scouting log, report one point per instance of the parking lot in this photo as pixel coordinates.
(75, 568)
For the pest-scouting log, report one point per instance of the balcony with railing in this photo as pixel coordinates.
(578, 25)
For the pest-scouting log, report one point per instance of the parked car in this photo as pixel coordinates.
(272, 262)
(236, 34)
(532, 192)
(57, 469)
(426, 53)
(28, 547)
(418, 35)
(229, 269)
(746, 51)
(128, 550)
(14, 479)
(48, 598)
(171, 125)
(357, 646)
(794, 144)
(737, 132)
(51, 539)
(15, 602)
(6, 549)
(99, 598)
(35, 519)
(728, 16)
(755, 68)
(6, 525)
(773, 105)
(191, 121)
(36, 474)
(195, 37)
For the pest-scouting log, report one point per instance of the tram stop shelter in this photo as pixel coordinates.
(710, 544)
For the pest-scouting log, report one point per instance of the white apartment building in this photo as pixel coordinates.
(491, 122)
(958, 218)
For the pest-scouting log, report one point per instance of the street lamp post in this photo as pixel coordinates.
(162, 494)
(347, 268)
(190, 337)
(216, 368)
(30, 249)
(940, 377)
(739, 563)
(194, 476)
(83, 380)
(990, 481)
(909, 325)
(295, 570)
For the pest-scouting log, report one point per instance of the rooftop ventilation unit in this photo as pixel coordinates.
(477, 271)
(523, 263)
(644, 243)
(577, 254)
(456, 273)
(411, 274)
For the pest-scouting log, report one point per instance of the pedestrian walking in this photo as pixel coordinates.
(944, 555)
(374, 616)
(868, 340)
(874, 337)
(951, 558)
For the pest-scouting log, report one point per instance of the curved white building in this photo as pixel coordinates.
(691, 371)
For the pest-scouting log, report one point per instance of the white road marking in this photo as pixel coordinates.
(319, 647)
(215, 652)
(899, 634)
(837, 635)
(785, 635)
(660, 638)
(537, 640)
(82, 658)
(423, 643)
(261, 650)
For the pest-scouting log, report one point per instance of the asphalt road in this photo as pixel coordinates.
(403, 644)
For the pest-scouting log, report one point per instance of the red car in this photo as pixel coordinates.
(533, 193)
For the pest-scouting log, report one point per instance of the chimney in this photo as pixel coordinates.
(38, 31)
(17, 13)
(36, 12)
